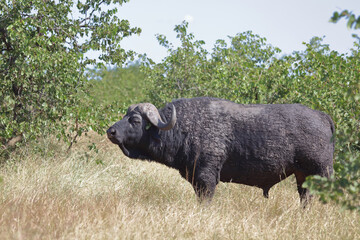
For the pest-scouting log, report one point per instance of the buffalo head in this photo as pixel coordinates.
(140, 124)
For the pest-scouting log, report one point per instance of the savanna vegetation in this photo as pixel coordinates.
(61, 179)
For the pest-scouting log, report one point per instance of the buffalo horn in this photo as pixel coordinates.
(152, 113)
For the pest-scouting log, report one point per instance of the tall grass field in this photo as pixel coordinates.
(83, 194)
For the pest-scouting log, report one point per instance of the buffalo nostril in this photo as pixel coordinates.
(111, 132)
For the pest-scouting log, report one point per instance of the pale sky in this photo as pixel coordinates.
(284, 23)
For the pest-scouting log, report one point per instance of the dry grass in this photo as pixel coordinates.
(53, 195)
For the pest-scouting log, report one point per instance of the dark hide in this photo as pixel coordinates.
(217, 140)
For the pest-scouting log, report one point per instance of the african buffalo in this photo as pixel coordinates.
(210, 140)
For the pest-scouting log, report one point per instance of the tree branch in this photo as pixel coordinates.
(12, 142)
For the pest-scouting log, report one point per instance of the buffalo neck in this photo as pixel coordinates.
(164, 147)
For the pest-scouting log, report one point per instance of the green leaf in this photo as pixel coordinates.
(351, 21)
(335, 17)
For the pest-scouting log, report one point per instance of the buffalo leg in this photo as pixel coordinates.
(204, 185)
(204, 191)
(266, 192)
(305, 196)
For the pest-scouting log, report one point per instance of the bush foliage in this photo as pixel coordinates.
(43, 62)
(118, 85)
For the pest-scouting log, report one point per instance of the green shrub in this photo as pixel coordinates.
(118, 85)
(42, 64)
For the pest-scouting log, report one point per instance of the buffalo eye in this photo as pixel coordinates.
(135, 120)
